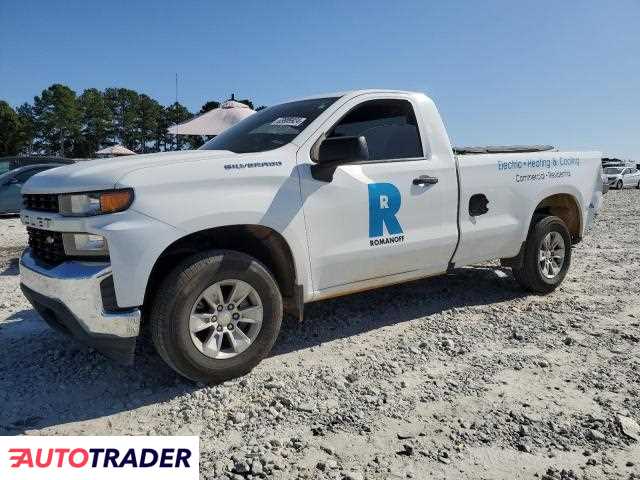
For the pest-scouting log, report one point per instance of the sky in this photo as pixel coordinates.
(565, 73)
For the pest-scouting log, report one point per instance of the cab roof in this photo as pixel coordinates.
(355, 93)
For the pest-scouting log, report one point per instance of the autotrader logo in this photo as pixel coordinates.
(70, 458)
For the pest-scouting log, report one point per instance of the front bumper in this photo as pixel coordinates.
(69, 298)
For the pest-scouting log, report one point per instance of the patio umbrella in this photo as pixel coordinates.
(115, 151)
(215, 121)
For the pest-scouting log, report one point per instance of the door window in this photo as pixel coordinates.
(389, 126)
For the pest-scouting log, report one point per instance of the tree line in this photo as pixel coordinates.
(61, 123)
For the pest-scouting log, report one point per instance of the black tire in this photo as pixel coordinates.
(171, 310)
(529, 275)
(638, 186)
(619, 185)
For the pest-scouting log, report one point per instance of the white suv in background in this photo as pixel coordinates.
(620, 177)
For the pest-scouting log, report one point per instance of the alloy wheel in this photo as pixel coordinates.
(226, 319)
(551, 255)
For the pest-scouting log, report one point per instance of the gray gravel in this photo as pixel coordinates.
(462, 376)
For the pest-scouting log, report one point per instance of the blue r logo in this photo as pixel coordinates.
(384, 203)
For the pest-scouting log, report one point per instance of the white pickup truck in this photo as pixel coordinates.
(300, 202)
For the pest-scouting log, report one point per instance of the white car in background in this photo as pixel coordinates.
(620, 177)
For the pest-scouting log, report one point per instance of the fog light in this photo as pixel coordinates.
(85, 244)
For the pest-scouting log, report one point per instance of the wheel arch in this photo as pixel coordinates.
(564, 206)
(263, 243)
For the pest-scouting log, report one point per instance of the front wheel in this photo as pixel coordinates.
(547, 256)
(216, 316)
(638, 186)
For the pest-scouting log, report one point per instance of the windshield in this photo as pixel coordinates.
(613, 170)
(270, 128)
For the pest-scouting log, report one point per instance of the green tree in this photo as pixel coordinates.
(97, 122)
(11, 137)
(123, 104)
(149, 115)
(27, 126)
(57, 120)
(174, 114)
(210, 105)
(61, 123)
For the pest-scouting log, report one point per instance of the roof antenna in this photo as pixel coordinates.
(233, 96)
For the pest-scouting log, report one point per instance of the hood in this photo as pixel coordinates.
(104, 173)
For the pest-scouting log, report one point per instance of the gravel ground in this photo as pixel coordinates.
(462, 376)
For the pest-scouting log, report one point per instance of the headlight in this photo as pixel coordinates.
(84, 245)
(95, 203)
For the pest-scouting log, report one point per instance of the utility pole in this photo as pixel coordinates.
(176, 120)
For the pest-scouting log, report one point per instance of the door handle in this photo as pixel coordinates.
(424, 180)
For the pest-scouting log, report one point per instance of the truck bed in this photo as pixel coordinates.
(514, 184)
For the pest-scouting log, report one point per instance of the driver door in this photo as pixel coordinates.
(372, 220)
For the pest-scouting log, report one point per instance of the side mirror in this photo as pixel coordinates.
(13, 181)
(336, 151)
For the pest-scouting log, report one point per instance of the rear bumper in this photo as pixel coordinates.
(69, 298)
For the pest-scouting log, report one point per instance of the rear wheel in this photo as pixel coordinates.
(547, 256)
(217, 316)
(638, 186)
(619, 185)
